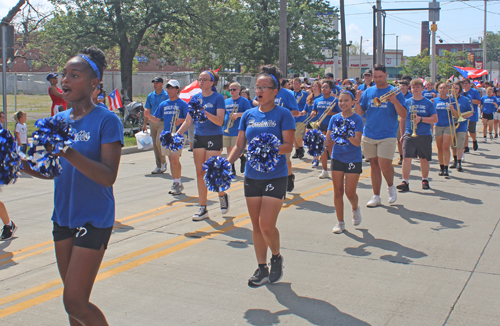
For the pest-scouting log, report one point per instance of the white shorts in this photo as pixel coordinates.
(496, 116)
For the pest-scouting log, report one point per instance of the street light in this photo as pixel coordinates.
(348, 55)
(361, 53)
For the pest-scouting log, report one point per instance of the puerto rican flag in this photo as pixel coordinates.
(477, 83)
(190, 90)
(469, 72)
(114, 100)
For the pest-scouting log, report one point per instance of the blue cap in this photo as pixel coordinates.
(100, 97)
(52, 75)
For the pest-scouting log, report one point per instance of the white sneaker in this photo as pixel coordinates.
(163, 168)
(463, 157)
(323, 175)
(393, 194)
(156, 171)
(201, 215)
(356, 216)
(374, 202)
(339, 227)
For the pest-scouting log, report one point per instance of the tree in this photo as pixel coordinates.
(417, 66)
(492, 42)
(129, 25)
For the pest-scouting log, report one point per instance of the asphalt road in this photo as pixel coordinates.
(431, 258)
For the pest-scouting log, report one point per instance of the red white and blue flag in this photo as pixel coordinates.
(469, 72)
(477, 83)
(190, 90)
(114, 100)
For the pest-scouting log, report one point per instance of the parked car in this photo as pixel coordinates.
(26, 84)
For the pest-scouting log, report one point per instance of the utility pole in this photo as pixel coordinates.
(379, 32)
(433, 17)
(484, 41)
(283, 38)
(342, 31)
(4, 71)
(360, 54)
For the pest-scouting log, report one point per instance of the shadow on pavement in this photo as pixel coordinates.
(314, 311)
(411, 217)
(5, 256)
(403, 254)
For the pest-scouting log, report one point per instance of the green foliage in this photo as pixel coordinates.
(419, 65)
(492, 42)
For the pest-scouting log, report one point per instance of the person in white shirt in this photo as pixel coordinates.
(21, 131)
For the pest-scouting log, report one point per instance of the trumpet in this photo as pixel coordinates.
(384, 98)
(413, 117)
(230, 122)
(317, 123)
(301, 125)
(173, 127)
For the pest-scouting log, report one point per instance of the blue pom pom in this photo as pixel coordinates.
(196, 109)
(263, 152)
(342, 130)
(10, 161)
(50, 138)
(314, 140)
(172, 142)
(219, 174)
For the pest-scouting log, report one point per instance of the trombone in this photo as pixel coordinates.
(173, 127)
(453, 124)
(317, 123)
(301, 125)
(413, 117)
(384, 98)
(230, 122)
(460, 117)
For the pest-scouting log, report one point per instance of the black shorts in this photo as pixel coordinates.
(420, 146)
(323, 128)
(275, 188)
(488, 116)
(210, 143)
(472, 127)
(309, 126)
(352, 167)
(87, 236)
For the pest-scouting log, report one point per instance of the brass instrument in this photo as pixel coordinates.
(230, 122)
(384, 98)
(300, 98)
(301, 125)
(412, 118)
(460, 117)
(317, 123)
(173, 127)
(452, 123)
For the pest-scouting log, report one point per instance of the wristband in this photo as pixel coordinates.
(421, 118)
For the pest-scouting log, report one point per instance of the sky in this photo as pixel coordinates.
(459, 21)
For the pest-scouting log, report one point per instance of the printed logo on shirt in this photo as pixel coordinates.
(269, 187)
(442, 106)
(261, 124)
(82, 135)
(277, 101)
(351, 166)
(210, 144)
(419, 108)
(209, 105)
(81, 232)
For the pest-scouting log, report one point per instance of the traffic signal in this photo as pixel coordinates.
(471, 57)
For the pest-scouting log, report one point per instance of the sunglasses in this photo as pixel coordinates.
(233, 89)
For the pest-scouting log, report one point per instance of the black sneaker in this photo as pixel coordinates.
(403, 187)
(301, 152)
(400, 162)
(459, 168)
(445, 173)
(474, 145)
(296, 155)
(496, 135)
(276, 269)
(466, 150)
(260, 277)
(290, 185)
(8, 231)
(425, 184)
(224, 203)
(441, 173)
(243, 161)
(454, 165)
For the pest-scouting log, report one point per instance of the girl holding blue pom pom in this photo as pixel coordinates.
(84, 205)
(265, 191)
(344, 131)
(207, 138)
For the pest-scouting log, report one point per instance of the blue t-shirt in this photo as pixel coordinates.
(153, 100)
(336, 90)
(408, 95)
(488, 106)
(212, 103)
(77, 199)
(321, 104)
(309, 108)
(429, 94)
(168, 108)
(474, 95)
(423, 108)
(301, 99)
(349, 153)
(285, 99)
(242, 105)
(381, 121)
(444, 115)
(363, 87)
(103, 105)
(255, 122)
(251, 103)
(465, 106)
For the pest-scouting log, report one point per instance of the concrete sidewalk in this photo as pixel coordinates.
(431, 258)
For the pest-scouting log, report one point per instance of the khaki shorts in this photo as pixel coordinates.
(460, 140)
(299, 133)
(440, 131)
(288, 156)
(383, 148)
(168, 152)
(229, 141)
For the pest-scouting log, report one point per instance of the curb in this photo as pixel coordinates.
(133, 150)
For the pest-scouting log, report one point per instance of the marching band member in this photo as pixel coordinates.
(231, 134)
(346, 158)
(368, 80)
(207, 139)
(429, 92)
(320, 106)
(166, 112)
(315, 94)
(265, 191)
(476, 100)
(380, 132)
(490, 106)
(466, 110)
(444, 130)
(407, 94)
(421, 114)
(301, 99)
(496, 116)
(335, 89)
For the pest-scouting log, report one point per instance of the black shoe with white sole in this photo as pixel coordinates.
(260, 277)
